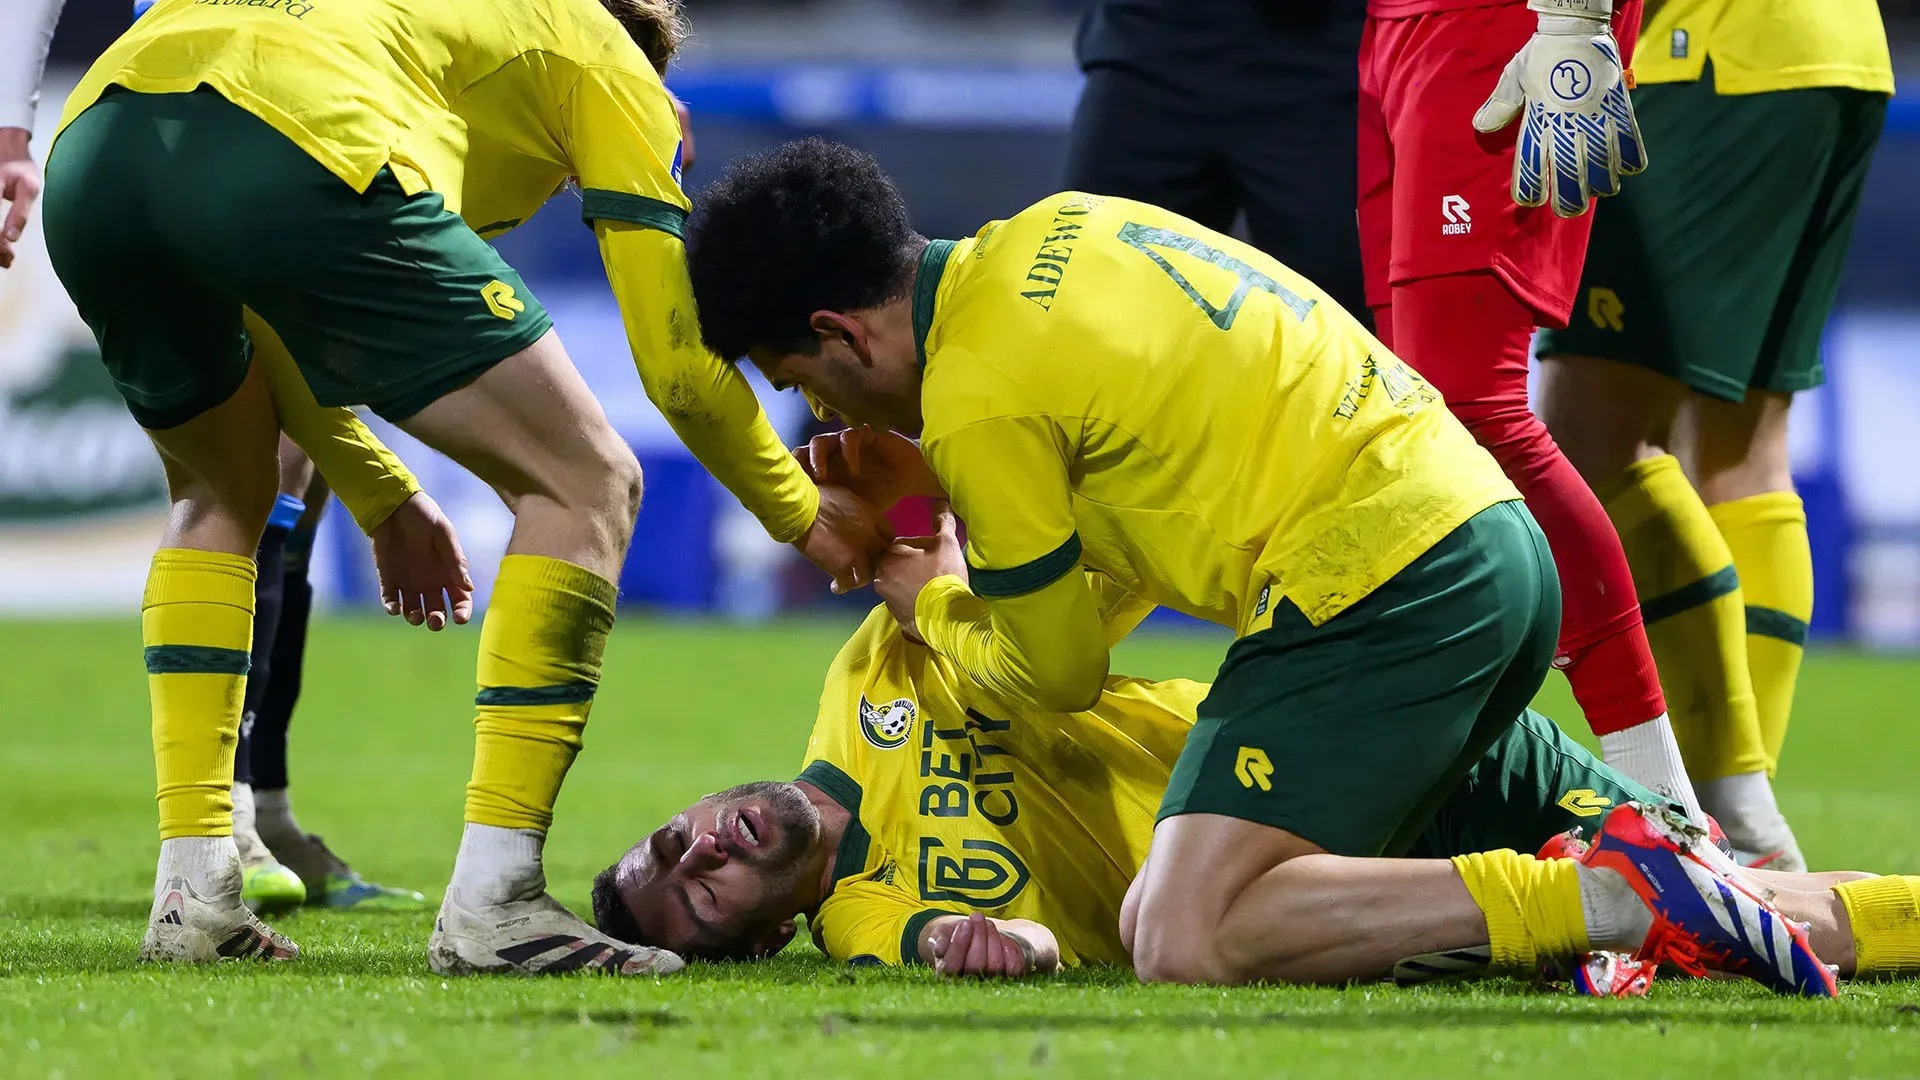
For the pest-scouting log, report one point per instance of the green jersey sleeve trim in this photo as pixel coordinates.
(910, 935)
(598, 204)
(926, 283)
(1028, 576)
(851, 857)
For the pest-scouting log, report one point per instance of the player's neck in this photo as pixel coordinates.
(834, 820)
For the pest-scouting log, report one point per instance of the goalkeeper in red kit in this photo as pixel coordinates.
(1486, 127)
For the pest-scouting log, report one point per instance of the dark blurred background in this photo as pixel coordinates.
(966, 102)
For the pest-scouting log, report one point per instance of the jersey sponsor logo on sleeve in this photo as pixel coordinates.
(500, 300)
(1252, 767)
(1605, 309)
(1584, 802)
(1458, 214)
(1677, 44)
(679, 159)
(981, 874)
(887, 726)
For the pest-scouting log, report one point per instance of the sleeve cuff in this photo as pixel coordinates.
(1029, 576)
(599, 204)
(933, 608)
(910, 934)
(792, 528)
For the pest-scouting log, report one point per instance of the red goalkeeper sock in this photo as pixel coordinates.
(1469, 336)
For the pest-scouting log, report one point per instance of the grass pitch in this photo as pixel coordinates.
(380, 751)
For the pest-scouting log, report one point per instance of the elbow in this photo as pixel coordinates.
(1074, 687)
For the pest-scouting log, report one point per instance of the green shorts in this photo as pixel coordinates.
(1532, 784)
(166, 214)
(1354, 733)
(1718, 265)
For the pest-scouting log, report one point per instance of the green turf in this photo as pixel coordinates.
(381, 749)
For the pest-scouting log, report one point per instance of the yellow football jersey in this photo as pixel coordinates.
(1111, 384)
(523, 93)
(492, 104)
(962, 802)
(1762, 45)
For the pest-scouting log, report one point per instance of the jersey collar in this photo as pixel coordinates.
(926, 282)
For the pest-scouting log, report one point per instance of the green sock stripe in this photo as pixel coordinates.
(573, 693)
(1689, 596)
(196, 660)
(1774, 623)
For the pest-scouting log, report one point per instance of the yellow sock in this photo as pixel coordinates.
(1768, 536)
(197, 623)
(1885, 912)
(1532, 906)
(1694, 610)
(540, 649)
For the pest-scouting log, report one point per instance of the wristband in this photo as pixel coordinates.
(1584, 9)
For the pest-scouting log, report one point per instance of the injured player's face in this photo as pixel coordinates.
(718, 880)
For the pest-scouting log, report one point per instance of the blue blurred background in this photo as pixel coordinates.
(966, 103)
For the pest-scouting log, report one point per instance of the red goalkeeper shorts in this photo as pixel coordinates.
(1435, 195)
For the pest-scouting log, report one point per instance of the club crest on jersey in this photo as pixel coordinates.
(886, 726)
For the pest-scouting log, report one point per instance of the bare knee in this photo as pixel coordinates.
(1734, 450)
(1171, 945)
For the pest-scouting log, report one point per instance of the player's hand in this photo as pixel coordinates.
(423, 572)
(882, 467)
(846, 535)
(912, 562)
(1568, 88)
(975, 946)
(19, 186)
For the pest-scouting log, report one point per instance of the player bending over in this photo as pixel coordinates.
(303, 189)
(926, 801)
(1101, 383)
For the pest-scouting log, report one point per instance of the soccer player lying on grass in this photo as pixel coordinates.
(1099, 382)
(935, 822)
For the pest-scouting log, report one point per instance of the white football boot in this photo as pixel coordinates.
(197, 916)
(497, 918)
(538, 936)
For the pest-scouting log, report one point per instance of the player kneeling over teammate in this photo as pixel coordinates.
(1099, 382)
(330, 170)
(935, 822)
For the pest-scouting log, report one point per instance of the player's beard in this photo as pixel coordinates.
(795, 825)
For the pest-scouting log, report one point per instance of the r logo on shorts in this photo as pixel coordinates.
(1252, 766)
(500, 299)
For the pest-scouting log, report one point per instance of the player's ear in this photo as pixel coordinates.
(831, 326)
(773, 940)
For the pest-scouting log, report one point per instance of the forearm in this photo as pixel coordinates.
(706, 400)
(369, 478)
(1047, 647)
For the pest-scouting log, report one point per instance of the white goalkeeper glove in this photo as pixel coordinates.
(1567, 86)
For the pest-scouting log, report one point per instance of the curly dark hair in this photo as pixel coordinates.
(806, 226)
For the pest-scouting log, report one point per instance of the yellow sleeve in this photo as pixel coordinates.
(1027, 628)
(704, 398)
(1120, 611)
(370, 479)
(864, 921)
(624, 141)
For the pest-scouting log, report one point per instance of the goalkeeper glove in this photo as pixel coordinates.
(1568, 88)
